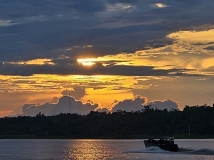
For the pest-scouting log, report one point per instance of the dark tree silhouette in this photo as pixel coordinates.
(192, 122)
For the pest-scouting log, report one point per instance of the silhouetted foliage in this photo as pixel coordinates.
(192, 122)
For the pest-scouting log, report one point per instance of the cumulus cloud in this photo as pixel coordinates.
(32, 110)
(130, 104)
(54, 100)
(77, 92)
(138, 103)
(65, 104)
(167, 104)
(68, 104)
(102, 110)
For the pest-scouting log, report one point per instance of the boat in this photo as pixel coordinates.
(163, 144)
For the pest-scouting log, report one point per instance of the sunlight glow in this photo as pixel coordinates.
(87, 61)
(160, 5)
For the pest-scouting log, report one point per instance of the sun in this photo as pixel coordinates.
(87, 61)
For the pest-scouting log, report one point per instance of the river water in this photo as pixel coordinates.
(57, 149)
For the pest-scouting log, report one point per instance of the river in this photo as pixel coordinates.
(57, 149)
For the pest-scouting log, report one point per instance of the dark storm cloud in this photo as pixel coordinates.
(97, 69)
(44, 29)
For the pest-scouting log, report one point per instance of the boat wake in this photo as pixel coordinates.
(197, 152)
(181, 151)
(149, 150)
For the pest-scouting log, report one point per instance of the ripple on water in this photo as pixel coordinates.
(157, 150)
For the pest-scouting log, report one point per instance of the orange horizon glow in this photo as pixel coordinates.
(5, 113)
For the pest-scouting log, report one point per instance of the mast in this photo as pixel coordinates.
(188, 129)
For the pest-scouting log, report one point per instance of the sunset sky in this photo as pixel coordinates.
(105, 54)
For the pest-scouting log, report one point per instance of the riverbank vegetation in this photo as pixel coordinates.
(192, 122)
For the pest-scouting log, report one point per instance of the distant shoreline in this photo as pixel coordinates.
(191, 123)
(102, 137)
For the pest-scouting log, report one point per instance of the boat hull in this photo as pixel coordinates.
(164, 146)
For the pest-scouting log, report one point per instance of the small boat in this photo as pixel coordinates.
(163, 144)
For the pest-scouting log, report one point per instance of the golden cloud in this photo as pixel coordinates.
(40, 61)
(193, 37)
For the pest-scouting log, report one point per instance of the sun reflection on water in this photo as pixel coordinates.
(91, 149)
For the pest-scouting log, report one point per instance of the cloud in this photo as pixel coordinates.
(102, 110)
(161, 5)
(64, 105)
(6, 23)
(77, 92)
(116, 9)
(45, 29)
(7, 68)
(130, 104)
(138, 103)
(168, 104)
(194, 37)
(54, 100)
(148, 37)
(33, 109)
(124, 23)
(88, 7)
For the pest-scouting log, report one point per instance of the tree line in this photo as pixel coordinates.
(192, 122)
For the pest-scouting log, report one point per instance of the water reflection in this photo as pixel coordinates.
(100, 149)
(127, 149)
(91, 149)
